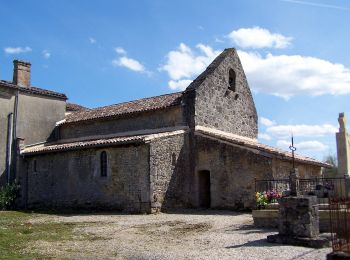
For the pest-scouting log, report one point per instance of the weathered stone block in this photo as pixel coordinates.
(298, 216)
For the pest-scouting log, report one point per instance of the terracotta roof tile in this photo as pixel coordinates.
(71, 107)
(111, 141)
(33, 90)
(140, 105)
(252, 143)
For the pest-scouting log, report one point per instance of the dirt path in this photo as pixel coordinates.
(181, 235)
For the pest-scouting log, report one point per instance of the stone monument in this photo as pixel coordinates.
(343, 147)
(298, 217)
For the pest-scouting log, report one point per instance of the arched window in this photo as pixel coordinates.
(232, 80)
(103, 164)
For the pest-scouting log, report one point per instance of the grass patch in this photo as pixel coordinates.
(16, 232)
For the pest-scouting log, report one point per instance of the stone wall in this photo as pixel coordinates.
(232, 172)
(218, 107)
(170, 173)
(148, 120)
(73, 179)
(268, 218)
(233, 169)
(37, 117)
(281, 169)
(7, 99)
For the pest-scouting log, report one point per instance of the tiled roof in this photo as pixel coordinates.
(33, 90)
(252, 143)
(71, 107)
(101, 142)
(140, 105)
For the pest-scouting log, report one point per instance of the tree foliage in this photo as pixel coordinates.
(331, 172)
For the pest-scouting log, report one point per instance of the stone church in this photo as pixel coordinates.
(196, 148)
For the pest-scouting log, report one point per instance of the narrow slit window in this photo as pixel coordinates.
(232, 80)
(103, 164)
(34, 166)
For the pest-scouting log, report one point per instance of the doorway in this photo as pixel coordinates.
(204, 188)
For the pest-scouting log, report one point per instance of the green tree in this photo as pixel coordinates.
(330, 172)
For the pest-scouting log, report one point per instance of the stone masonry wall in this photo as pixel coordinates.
(7, 99)
(149, 120)
(281, 169)
(232, 172)
(72, 179)
(169, 172)
(233, 169)
(218, 107)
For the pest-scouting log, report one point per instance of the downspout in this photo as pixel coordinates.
(14, 136)
(9, 146)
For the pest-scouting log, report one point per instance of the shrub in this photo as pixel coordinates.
(8, 195)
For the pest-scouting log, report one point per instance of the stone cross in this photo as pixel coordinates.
(294, 182)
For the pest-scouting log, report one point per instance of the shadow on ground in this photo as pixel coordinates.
(256, 243)
(249, 229)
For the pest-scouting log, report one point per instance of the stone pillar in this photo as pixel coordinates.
(343, 147)
(294, 182)
(299, 217)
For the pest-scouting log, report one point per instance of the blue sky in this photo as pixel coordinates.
(295, 54)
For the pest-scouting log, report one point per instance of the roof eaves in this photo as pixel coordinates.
(33, 90)
(86, 115)
(265, 148)
(77, 146)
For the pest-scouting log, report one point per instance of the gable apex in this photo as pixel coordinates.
(212, 67)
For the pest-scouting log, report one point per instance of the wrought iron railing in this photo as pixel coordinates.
(333, 191)
(323, 188)
(278, 185)
(340, 224)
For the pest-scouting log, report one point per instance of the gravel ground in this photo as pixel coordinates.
(191, 234)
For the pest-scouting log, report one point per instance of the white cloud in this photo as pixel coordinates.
(266, 122)
(92, 40)
(287, 76)
(46, 54)
(179, 84)
(17, 50)
(285, 131)
(258, 38)
(264, 136)
(218, 40)
(120, 51)
(129, 63)
(183, 64)
(315, 146)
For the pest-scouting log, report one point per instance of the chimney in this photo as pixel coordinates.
(21, 73)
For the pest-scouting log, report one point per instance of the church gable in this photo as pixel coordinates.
(223, 99)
